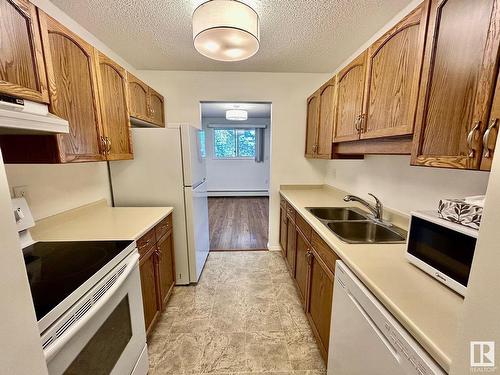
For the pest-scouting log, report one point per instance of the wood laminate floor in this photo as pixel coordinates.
(238, 223)
(244, 317)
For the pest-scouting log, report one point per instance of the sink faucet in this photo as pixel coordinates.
(377, 209)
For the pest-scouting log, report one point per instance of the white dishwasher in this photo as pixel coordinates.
(366, 339)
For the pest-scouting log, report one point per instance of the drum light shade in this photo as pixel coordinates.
(236, 115)
(226, 30)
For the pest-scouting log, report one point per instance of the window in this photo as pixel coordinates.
(234, 143)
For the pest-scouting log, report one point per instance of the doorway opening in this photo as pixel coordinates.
(237, 151)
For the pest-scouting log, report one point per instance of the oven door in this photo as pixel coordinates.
(104, 332)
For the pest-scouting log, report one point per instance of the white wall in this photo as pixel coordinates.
(56, 188)
(401, 186)
(480, 320)
(286, 91)
(237, 175)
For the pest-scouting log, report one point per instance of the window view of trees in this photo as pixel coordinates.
(234, 143)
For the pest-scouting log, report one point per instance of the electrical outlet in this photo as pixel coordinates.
(21, 192)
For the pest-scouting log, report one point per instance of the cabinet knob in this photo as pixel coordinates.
(486, 138)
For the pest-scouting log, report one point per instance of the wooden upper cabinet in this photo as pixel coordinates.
(326, 119)
(157, 108)
(393, 75)
(113, 96)
(491, 132)
(145, 103)
(138, 98)
(22, 69)
(312, 124)
(73, 91)
(349, 100)
(458, 81)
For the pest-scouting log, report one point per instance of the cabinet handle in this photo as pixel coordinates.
(103, 145)
(145, 244)
(109, 144)
(357, 123)
(486, 138)
(362, 123)
(470, 139)
(309, 257)
(158, 253)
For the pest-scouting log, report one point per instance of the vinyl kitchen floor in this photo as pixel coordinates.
(243, 317)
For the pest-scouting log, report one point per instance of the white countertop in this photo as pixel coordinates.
(427, 309)
(98, 221)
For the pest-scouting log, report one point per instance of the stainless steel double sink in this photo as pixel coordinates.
(353, 225)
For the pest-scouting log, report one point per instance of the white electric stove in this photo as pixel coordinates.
(88, 302)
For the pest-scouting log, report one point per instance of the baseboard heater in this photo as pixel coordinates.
(238, 193)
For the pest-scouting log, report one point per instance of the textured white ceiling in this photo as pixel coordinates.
(218, 109)
(296, 35)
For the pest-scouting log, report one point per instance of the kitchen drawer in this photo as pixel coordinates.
(146, 242)
(324, 251)
(282, 201)
(290, 211)
(163, 226)
(304, 227)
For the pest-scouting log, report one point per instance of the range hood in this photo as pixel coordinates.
(18, 116)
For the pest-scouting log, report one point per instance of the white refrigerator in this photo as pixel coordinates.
(169, 169)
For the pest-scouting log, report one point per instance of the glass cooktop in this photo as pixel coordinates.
(56, 269)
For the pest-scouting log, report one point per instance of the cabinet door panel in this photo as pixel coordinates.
(326, 119)
(312, 123)
(491, 132)
(113, 97)
(290, 246)
(22, 69)
(319, 306)
(301, 263)
(457, 83)
(157, 108)
(138, 98)
(349, 108)
(165, 267)
(283, 230)
(73, 91)
(149, 287)
(393, 77)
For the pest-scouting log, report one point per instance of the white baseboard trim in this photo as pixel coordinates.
(274, 248)
(236, 193)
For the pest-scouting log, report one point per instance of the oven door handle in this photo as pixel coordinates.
(53, 349)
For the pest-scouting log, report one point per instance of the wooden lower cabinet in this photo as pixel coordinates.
(319, 301)
(283, 230)
(166, 271)
(290, 246)
(303, 252)
(312, 265)
(157, 268)
(147, 268)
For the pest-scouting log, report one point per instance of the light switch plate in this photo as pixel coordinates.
(22, 214)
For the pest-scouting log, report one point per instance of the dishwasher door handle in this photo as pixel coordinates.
(377, 330)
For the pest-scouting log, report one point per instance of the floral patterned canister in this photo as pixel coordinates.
(460, 212)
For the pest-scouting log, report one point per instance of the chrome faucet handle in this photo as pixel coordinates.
(378, 205)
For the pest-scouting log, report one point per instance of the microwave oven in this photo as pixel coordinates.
(441, 248)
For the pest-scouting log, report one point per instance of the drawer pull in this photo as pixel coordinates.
(145, 244)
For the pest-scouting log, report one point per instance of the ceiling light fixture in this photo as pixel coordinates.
(226, 30)
(236, 115)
